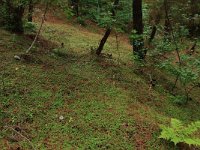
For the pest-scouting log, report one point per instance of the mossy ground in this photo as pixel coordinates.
(104, 104)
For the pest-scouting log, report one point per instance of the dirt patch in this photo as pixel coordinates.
(145, 127)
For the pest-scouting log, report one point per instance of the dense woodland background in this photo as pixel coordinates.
(99, 74)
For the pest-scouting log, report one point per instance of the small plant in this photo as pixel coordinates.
(178, 99)
(81, 21)
(60, 52)
(68, 12)
(30, 27)
(179, 133)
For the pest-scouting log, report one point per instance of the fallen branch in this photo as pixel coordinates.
(12, 129)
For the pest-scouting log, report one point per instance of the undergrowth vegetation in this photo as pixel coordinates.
(178, 133)
(80, 101)
(64, 86)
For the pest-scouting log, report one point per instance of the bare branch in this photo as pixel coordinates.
(38, 33)
(12, 129)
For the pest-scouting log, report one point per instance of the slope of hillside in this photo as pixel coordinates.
(67, 98)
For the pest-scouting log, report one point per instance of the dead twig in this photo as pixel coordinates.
(12, 129)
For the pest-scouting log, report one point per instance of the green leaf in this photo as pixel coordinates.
(179, 133)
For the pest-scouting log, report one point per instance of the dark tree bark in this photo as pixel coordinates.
(138, 43)
(103, 41)
(193, 28)
(14, 17)
(108, 30)
(156, 17)
(75, 5)
(167, 25)
(153, 33)
(30, 11)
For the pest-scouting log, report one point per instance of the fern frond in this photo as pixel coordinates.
(178, 133)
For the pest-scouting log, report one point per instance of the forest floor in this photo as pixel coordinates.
(67, 98)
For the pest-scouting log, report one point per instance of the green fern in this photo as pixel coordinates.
(179, 133)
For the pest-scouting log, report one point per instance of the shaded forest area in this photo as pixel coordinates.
(99, 74)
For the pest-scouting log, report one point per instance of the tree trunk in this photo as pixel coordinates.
(30, 11)
(108, 30)
(167, 26)
(138, 43)
(14, 17)
(103, 41)
(193, 28)
(153, 33)
(75, 5)
(156, 17)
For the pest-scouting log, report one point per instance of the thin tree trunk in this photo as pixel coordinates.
(153, 33)
(14, 17)
(30, 11)
(138, 43)
(75, 5)
(77, 8)
(193, 28)
(167, 28)
(103, 41)
(172, 31)
(167, 19)
(108, 30)
(156, 21)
